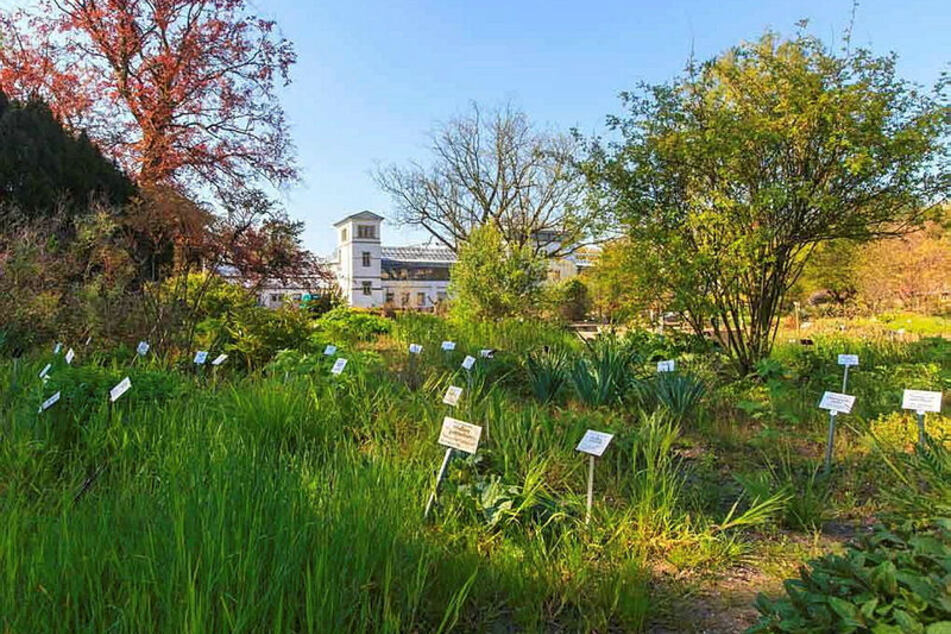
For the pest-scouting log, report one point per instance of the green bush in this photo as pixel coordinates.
(346, 324)
(892, 581)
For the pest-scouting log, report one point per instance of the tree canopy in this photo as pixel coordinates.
(494, 167)
(45, 168)
(727, 177)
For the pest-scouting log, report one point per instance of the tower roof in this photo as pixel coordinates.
(360, 215)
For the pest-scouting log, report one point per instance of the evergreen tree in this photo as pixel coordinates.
(43, 166)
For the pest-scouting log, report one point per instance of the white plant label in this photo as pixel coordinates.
(921, 401)
(836, 402)
(142, 349)
(468, 362)
(666, 366)
(121, 388)
(57, 348)
(46, 370)
(339, 365)
(448, 345)
(200, 357)
(330, 350)
(49, 402)
(221, 358)
(88, 340)
(70, 355)
(415, 348)
(452, 395)
(460, 435)
(848, 359)
(487, 353)
(594, 442)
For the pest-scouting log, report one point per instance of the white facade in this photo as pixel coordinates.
(413, 277)
(357, 261)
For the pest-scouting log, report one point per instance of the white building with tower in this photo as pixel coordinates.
(411, 277)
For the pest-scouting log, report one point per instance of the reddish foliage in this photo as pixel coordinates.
(181, 92)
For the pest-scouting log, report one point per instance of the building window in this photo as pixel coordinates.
(390, 298)
(420, 299)
(343, 234)
(367, 288)
(440, 296)
(365, 231)
(366, 258)
(276, 298)
(404, 300)
(296, 297)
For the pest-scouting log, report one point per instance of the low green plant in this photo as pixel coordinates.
(547, 373)
(891, 581)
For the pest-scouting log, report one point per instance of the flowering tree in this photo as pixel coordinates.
(181, 92)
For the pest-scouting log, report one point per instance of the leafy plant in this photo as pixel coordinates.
(547, 373)
(892, 581)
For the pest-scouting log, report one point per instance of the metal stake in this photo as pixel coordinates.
(845, 378)
(922, 435)
(587, 515)
(439, 477)
(830, 443)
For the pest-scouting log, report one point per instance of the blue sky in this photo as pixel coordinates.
(374, 77)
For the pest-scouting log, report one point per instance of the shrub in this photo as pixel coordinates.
(889, 581)
(547, 373)
(346, 324)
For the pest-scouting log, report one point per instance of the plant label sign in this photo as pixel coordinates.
(448, 346)
(452, 395)
(57, 348)
(70, 355)
(666, 366)
(594, 442)
(200, 357)
(921, 401)
(88, 340)
(848, 359)
(338, 367)
(221, 358)
(46, 370)
(468, 362)
(457, 434)
(487, 353)
(121, 388)
(836, 402)
(142, 349)
(415, 348)
(49, 402)
(330, 350)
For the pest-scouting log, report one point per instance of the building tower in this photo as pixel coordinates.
(358, 259)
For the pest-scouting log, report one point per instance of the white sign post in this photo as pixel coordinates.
(455, 434)
(452, 395)
(70, 355)
(200, 357)
(666, 366)
(48, 403)
(592, 443)
(847, 360)
(121, 388)
(46, 370)
(140, 351)
(921, 401)
(57, 348)
(448, 346)
(835, 403)
(487, 353)
(330, 350)
(468, 362)
(221, 358)
(415, 348)
(338, 366)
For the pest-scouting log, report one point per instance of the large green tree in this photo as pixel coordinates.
(728, 176)
(494, 278)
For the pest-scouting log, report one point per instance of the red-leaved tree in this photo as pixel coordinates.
(180, 92)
